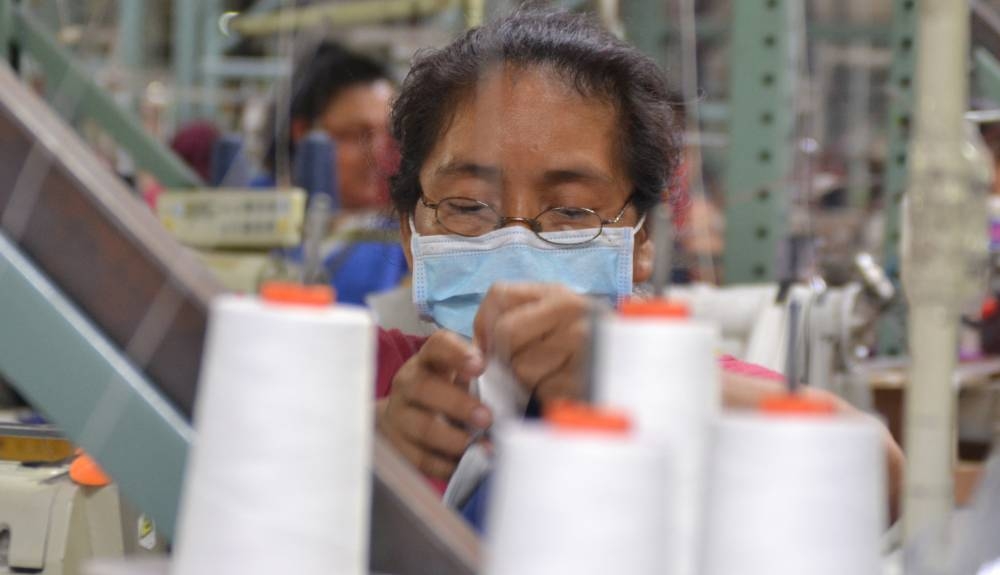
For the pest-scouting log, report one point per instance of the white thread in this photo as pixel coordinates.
(575, 503)
(664, 372)
(736, 309)
(278, 478)
(791, 494)
(507, 401)
(499, 390)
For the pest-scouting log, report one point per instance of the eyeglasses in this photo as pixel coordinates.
(471, 218)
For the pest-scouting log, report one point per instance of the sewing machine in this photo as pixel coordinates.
(234, 232)
(50, 524)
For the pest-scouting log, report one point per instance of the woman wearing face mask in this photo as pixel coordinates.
(532, 149)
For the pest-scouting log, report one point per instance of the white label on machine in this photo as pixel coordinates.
(146, 532)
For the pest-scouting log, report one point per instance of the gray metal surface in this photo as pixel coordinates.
(186, 55)
(105, 250)
(81, 381)
(412, 532)
(102, 323)
(26, 429)
(905, 41)
(762, 123)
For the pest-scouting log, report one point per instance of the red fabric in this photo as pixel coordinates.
(193, 142)
(394, 348)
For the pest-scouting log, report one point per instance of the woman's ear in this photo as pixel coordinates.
(405, 232)
(642, 255)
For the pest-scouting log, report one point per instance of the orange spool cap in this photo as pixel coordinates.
(289, 293)
(85, 471)
(796, 404)
(654, 308)
(569, 415)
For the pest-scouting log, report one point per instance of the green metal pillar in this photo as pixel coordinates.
(761, 129)
(131, 44)
(646, 27)
(859, 82)
(66, 368)
(892, 326)
(987, 74)
(185, 57)
(212, 41)
(85, 98)
(6, 28)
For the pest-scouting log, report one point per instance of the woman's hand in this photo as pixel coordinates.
(541, 332)
(429, 414)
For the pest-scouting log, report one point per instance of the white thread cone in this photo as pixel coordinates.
(575, 503)
(664, 372)
(278, 479)
(794, 495)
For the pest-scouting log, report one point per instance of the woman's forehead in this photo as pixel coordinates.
(529, 120)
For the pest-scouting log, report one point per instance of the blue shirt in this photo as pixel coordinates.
(474, 511)
(356, 268)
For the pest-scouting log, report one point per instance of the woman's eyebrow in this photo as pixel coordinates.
(468, 169)
(576, 174)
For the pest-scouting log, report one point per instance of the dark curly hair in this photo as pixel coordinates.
(587, 57)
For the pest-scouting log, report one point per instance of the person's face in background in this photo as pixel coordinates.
(357, 120)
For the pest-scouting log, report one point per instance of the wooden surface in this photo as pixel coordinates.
(892, 374)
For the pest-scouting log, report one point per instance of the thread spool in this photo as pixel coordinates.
(574, 502)
(735, 309)
(278, 479)
(662, 370)
(229, 166)
(315, 168)
(795, 494)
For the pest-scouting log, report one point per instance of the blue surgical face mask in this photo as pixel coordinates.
(451, 274)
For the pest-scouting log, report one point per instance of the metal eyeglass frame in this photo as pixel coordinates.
(533, 224)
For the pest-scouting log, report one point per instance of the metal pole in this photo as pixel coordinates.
(646, 27)
(987, 74)
(475, 12)
(131, 26)
(6, 28)
(904, 42)
(859, 99)
(940, 236)
(211, 55)
(762, 124)
(185, 48)
(340, 14)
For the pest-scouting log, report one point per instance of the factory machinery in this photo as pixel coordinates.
(104, 317)
(104, 322)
